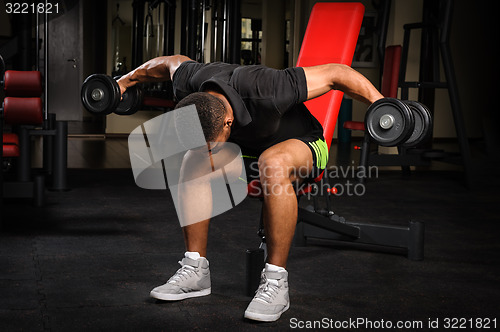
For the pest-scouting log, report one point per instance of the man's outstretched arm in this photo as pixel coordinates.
(155, 70)
(323, 78)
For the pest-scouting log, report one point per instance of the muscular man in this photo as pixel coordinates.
(261, 110)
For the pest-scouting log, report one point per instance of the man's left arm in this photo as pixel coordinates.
(323, 78)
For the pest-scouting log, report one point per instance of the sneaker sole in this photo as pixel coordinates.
(265, 317)
(177, 297)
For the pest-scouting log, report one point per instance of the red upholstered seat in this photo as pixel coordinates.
(10, 146)
(23, 83)
(9, 138)
(10, 151)
(330, 37)
(23, 111)
(354, 125)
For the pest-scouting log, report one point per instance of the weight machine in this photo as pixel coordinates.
(27, 112)
(435, 27)
(225, 29)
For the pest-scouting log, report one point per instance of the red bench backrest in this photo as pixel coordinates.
(331, 36)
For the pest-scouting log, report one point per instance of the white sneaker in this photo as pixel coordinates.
(191, 280)
(271, 298)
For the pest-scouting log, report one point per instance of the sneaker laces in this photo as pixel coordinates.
(184, 272)
(268, 289)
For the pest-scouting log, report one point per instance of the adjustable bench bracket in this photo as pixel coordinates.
(408, 240)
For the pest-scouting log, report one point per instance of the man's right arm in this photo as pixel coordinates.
(323, 78)
(155, 70)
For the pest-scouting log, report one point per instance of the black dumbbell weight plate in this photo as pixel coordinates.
(100, 94)
(389, 122)
(423, 124)
(131, 101)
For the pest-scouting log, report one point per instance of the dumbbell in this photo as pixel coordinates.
(393, 122)
(101, 95)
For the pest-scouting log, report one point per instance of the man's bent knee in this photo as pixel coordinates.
(275, 173)
(274, 166)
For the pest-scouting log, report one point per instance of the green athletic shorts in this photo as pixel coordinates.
(319, 151)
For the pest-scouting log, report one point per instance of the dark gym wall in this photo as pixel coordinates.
(77, 42)
(474, 44)
(25, 59)
(65, 65)
(94, 38)
(5, 28)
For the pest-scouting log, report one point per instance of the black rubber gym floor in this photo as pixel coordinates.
(88, 259)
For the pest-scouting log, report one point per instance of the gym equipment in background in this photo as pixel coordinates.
(23, 110)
